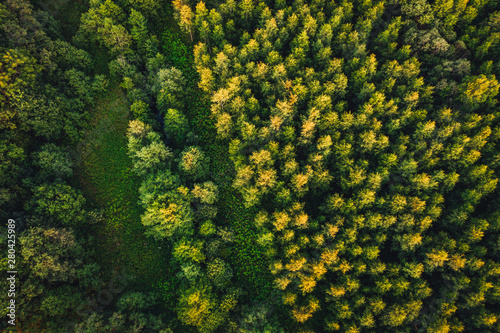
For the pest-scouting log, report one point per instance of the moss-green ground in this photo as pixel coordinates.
(105, 174)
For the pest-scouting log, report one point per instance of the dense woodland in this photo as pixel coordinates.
(302, 167)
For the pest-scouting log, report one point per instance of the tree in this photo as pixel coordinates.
(436, 258)
(12, 168)
(395, 316)
(59, 204)
(53, 161)
(17, 71)
(140, 110)
(205, 193)
(54, 255)
(102, 23)
(176, 126)
(193, 163)
(67, 56)
(195, 305)
(168, 211)
(479, 89)
(167, 84)
(219, 272)
(146, 7)
(186, 19)
(147, 151)
(139, 30)
(169, 218)
(246, 9)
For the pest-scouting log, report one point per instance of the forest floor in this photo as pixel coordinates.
(108, 182)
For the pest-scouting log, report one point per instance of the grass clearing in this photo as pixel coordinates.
(105, 173)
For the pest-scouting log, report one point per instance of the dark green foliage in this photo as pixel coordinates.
(58, 203)
(53, 254)
(56, 274)
(176, 126)
(129, 316)
(140, 110)
(53, 162)
(12, 158)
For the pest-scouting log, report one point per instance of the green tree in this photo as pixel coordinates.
(219, 272)
(59, 204)
(168, 211)
(176, 126)
(146, 149)
(17, 71)
(479, 89)
(195, 305)
(193, 163)
(139, 30)
(205, 193)
(54, 254)
(53, 161)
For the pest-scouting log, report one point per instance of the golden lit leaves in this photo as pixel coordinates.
(291, 250)
(206, 82)
(288, 235)
(410, 241)
(331, 230)
(478, 89)
(224, 125)
(282, 282)
(261, 219)
(475, 234)
(195, 305)
(266, 179)
(219, 99)
(336, 291)
(344, 266)
(416, 205)
(276, 122)
(281, 220)
(307, 283)
(289, 298)
(243, 176)
(261, 158)
(436, 258)
(423, 182)
(301, 220)
(457, 262)
(296, 264)
(318, 270)
(284, 109)
(329, 256)
(276, 267)
(319, 240)
(300, 181)
(290, 167)
(302, 313)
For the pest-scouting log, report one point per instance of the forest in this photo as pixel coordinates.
(250, 166)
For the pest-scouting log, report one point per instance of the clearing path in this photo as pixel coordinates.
(105, 173)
